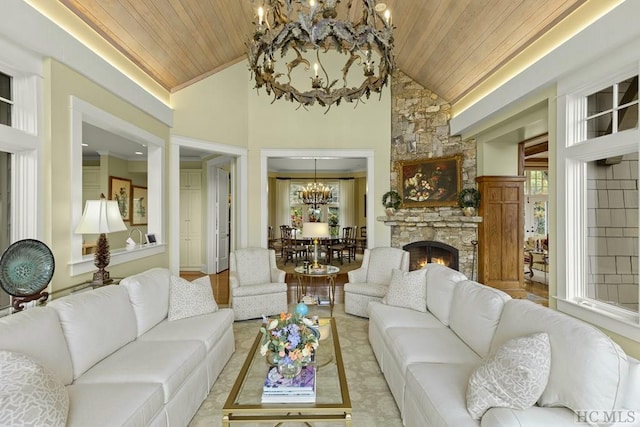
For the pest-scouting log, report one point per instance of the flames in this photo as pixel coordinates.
(422, 262)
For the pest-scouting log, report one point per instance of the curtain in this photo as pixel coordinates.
(283, 217)
(347, 203)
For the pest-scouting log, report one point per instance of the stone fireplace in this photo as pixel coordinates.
(442, 230)
(427, 251)
(420, 130)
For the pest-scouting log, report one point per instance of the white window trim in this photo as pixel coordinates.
(82, 111)
(26, 217)
(22, 139)
(573, 154)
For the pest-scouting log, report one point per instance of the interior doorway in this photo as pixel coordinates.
(222, 224)
(219, 204)
(534, 165)
(333, 155)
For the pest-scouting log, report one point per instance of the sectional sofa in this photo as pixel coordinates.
(460, 358)
(113, 356)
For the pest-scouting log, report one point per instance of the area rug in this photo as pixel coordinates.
(372, 402)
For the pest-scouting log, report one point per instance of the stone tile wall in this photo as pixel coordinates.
(612, 205)
(420, 130)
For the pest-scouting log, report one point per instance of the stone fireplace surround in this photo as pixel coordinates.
(448, 226)
(420, 130)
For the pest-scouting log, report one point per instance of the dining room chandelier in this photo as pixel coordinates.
(299, 49)
(315, 193)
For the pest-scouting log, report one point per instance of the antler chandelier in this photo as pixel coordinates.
(315, 193)
(292, 39)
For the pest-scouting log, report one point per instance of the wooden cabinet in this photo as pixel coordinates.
(190, 220)
(501, 233)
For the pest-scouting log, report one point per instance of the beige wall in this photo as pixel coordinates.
(60, 83)
(225, 108)
(214, 109)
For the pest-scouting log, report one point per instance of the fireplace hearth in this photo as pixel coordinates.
(426, 251)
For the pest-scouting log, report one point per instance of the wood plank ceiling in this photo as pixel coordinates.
(448, 46)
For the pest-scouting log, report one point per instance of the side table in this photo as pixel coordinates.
(305, 277)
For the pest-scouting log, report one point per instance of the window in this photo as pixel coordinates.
(613, 109)
(537, 183)
(537, 194)
(325, 213)
(599, 209)
(6, 99)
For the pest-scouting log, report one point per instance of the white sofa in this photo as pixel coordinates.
(428, 357)
(120, 359)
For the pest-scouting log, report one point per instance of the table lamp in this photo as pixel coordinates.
(101, 217)
(315, 231)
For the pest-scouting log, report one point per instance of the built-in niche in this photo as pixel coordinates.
(88, 119)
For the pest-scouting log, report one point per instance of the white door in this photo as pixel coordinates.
(222, 223)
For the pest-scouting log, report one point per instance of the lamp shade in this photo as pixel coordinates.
(101, 216)
(315, 229)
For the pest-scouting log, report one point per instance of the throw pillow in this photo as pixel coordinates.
(513, 377)
(29, 394)
(408, 289)
(188, 299)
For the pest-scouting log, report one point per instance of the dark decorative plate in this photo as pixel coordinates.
(26, 268)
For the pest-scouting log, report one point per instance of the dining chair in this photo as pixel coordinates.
(294, 250)
(362, 240)
(343, 248)
(349, 238)
(284, 237)
(274, 242)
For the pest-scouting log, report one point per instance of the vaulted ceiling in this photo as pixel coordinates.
(448, 46)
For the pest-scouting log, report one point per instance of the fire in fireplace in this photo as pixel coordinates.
(425, 251)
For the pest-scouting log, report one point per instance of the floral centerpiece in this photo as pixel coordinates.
(291, 340)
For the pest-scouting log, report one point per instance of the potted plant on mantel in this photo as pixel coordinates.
(469, 201)
(391, 201)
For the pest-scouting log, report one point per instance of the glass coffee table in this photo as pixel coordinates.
(332, 404)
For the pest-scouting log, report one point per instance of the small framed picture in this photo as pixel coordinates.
(120, 191)
(139, 206)
(151, 238)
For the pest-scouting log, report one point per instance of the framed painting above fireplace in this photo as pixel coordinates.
(430, 182)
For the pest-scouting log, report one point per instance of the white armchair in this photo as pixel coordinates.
(257, 286)
(371, 281)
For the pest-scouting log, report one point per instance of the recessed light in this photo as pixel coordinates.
(140, 153)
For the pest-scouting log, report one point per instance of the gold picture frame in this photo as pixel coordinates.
(139, 205)
(120, 191)
(430, 182)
